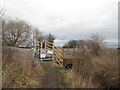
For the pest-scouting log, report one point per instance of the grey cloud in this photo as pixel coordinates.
(69, 19)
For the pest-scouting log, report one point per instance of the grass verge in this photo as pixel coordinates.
(62, 79)
(19, 69)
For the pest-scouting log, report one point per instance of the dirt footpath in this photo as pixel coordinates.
(50, 77)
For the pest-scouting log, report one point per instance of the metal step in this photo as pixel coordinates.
(46, 59)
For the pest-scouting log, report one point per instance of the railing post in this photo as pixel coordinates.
(45, 45)
(63, 53)
(40, 50)
(34, 48)
(53, 52)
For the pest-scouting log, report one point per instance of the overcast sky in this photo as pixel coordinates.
(69, 19)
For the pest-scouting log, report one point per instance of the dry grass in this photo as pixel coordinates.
(0, 67)
(19, 69)
(95, 71)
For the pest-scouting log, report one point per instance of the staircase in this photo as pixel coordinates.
(49, 51)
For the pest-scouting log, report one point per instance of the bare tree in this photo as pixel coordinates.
(97, 43)
(88, 44)
(50, 38)
(81, 44)
(38, 35)
(15, 32)
(71, 44)
(2, 10)
(95, 38)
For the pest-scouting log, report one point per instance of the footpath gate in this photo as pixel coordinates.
(49, 51)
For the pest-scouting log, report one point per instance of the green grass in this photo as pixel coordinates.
(62, 81)
(61, 75)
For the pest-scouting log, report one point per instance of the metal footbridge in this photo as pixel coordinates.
(48, 51)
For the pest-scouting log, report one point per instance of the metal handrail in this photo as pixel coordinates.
(49, 45)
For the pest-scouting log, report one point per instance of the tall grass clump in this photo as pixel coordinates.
(95, 70)
(19, 68)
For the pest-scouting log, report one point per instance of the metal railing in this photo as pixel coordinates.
(58, 53)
